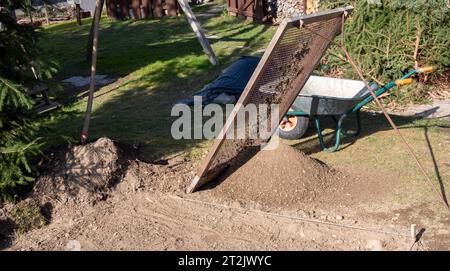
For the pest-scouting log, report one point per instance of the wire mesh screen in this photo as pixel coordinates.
(286, 65)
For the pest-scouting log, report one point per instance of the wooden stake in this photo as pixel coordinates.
(416, 47)
(147, 7)
(95, 23)
(157, 8)
(413, 232)
(46, 14)
(30, 11)
(111, 9)
(171, 7)
(198, 31)
(78, 13)
(124, 9)
(136, 7)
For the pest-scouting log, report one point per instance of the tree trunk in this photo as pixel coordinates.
(78, 13)
(13, 15)
(30, 12)
(171, 6)
(124, 9)
(136, 7)
(91, 33)
(46, 14)
(95, 23)
(157, 8)
(112, 9)
(147, 7)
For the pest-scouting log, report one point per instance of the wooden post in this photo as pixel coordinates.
(30, 11)
(147, 7)
(171, 6)
(198, 31)
(157, 8)
(416, 47)
(111, 9)
(124, 8)
(13, 15)
(46, 13)
(96, 24)
(136, 7)
(258, 7)
(78, 13)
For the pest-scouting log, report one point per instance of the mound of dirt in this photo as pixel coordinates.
(171, 175)
(80, 174)
(284, 177)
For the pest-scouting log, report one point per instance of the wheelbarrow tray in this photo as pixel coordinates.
(330, 96)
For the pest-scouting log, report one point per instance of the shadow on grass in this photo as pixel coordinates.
(372, 123)
(163, 63)
(435, 165)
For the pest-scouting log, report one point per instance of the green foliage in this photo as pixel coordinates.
(381, 37)
(18, 52)
(27, 216)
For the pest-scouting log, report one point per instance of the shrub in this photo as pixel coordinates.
(381, 37)
(18, 52)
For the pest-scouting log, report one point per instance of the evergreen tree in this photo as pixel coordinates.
(18, 53)
(381, 36)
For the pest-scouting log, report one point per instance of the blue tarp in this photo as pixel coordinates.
(231, 82)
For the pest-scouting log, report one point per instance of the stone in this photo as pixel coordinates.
(374, 245)
(73, 245)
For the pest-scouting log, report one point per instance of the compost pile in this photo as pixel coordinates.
(284, 177)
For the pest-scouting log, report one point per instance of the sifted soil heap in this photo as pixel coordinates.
(284, 177)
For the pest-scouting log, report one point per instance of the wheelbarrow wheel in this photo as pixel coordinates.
(293, 127)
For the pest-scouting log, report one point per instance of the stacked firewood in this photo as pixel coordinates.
(288, 8)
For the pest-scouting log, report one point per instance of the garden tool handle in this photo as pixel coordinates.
(402, 82)
(426, 69)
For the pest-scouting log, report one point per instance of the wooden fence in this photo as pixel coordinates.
(252, 9)
(138, 9)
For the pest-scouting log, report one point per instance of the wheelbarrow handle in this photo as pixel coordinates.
(402, 82)
(426, 69)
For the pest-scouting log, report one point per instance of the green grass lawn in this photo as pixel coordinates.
(158, 61)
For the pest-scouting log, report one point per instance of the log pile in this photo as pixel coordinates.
(282, 9)
(138, 9)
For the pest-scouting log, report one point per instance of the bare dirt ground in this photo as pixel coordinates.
(100, 197)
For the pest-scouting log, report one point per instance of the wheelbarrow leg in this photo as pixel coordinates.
(337, 135)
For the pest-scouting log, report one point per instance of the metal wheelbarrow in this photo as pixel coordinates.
(337, 98)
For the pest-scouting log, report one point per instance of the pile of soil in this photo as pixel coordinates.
(284, 177)
(80, 174)
(169, 175)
